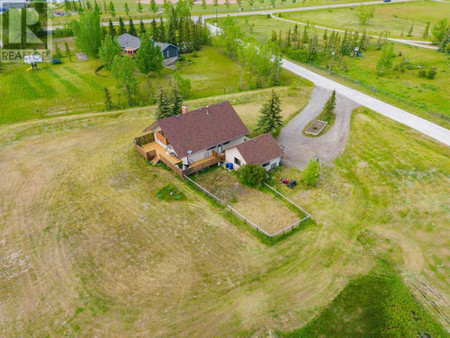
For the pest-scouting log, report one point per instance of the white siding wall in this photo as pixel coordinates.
(231, 154)
(275, 163)
(206, 153)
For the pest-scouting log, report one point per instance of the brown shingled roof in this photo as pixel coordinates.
(260, 149)
(202, 128)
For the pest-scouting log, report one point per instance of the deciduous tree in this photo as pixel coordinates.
(109, 50)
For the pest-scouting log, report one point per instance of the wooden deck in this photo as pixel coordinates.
(153, 146)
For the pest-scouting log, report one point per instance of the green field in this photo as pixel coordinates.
(88, 247)
(74, 87)
(395, 19)
(210, 9)
(427, 98)
(372, 305)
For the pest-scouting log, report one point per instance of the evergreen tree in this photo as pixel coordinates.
(227, 3)
(177, 100)
(204, 4)
(153, 6)
(164, 105)
(97, 8)
(112, 29)
(162, 31)
(330, 105)
(172, 38)
(139, 7)
(427, 30)
(305, 37)
(68, 51)
(122, 29)
(271, 119)
(58, 54)
(411, 30)
(131, 28)
(108, 102)
(127, 9)
(105, 7)
(154, 31)
(142, 29)
(112, 9)
(325, 35)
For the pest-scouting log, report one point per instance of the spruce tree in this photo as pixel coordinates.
(305, 37)
(162, 31)
(329, 107)
(164, 105)
(139, 7)
(122, 29)
(131, 28)
(204, 4)
(427, 30)
(112, 29)
(127, 9)
(270, 119)
(112, 10)
(177, 100)
(108, 101)
(411, 30)
(154, 31)
(172, 38)
(153, 6)
(142, 29)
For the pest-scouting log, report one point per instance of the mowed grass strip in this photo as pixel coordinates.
(394, 19)
(89, 249)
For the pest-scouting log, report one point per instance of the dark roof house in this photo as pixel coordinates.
(260, 149)
(130, 44)
(202, 128)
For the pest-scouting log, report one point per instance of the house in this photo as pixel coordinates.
(262, 150)
(8, 4)
(130, 45)
(197, 139)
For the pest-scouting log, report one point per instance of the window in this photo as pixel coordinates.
(265, 164)
(211, 148)
(237, 161)
(225, 143)
(274, 165)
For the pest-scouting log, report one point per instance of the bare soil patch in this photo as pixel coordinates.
(316, 127)
(265, 210)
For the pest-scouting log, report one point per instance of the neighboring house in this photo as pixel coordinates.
(262, 150)
(130, 45)
(8, 4)
(197, 139)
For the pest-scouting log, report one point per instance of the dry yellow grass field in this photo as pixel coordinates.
(86, 247)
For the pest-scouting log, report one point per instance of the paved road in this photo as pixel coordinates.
(298, 148)
(422, 44)
(428, 128)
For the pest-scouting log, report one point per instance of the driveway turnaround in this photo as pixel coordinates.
(426, 127)
(298, 148)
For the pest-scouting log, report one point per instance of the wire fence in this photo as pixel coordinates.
(207, 192)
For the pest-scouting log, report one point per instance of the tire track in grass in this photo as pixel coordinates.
(84, 78)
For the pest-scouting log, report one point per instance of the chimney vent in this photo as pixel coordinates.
(207, 110)
(184, 109)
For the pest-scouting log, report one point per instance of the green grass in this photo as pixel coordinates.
(73, 87)
(426, 98)
(395, 19)
(375, 305)
(170, 193)
(90, 250)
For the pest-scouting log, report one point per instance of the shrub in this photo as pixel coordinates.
(252, 175)
(299, 55)
(311, 173)
(431, 74)
(422, 73)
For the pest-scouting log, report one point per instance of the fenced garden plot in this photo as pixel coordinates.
(262, 211)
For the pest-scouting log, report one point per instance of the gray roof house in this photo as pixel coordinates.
(130, 45)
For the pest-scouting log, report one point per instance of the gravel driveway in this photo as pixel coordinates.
(298, 148)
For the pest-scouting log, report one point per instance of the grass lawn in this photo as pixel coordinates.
(370, 305)
(263, 209)
(88, 248)
(395, 19)
(418, 95)
(197, 9)
(74, 87)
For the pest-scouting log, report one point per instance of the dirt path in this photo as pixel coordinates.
(299, 148)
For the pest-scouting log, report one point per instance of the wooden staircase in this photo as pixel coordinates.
(155, 159)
